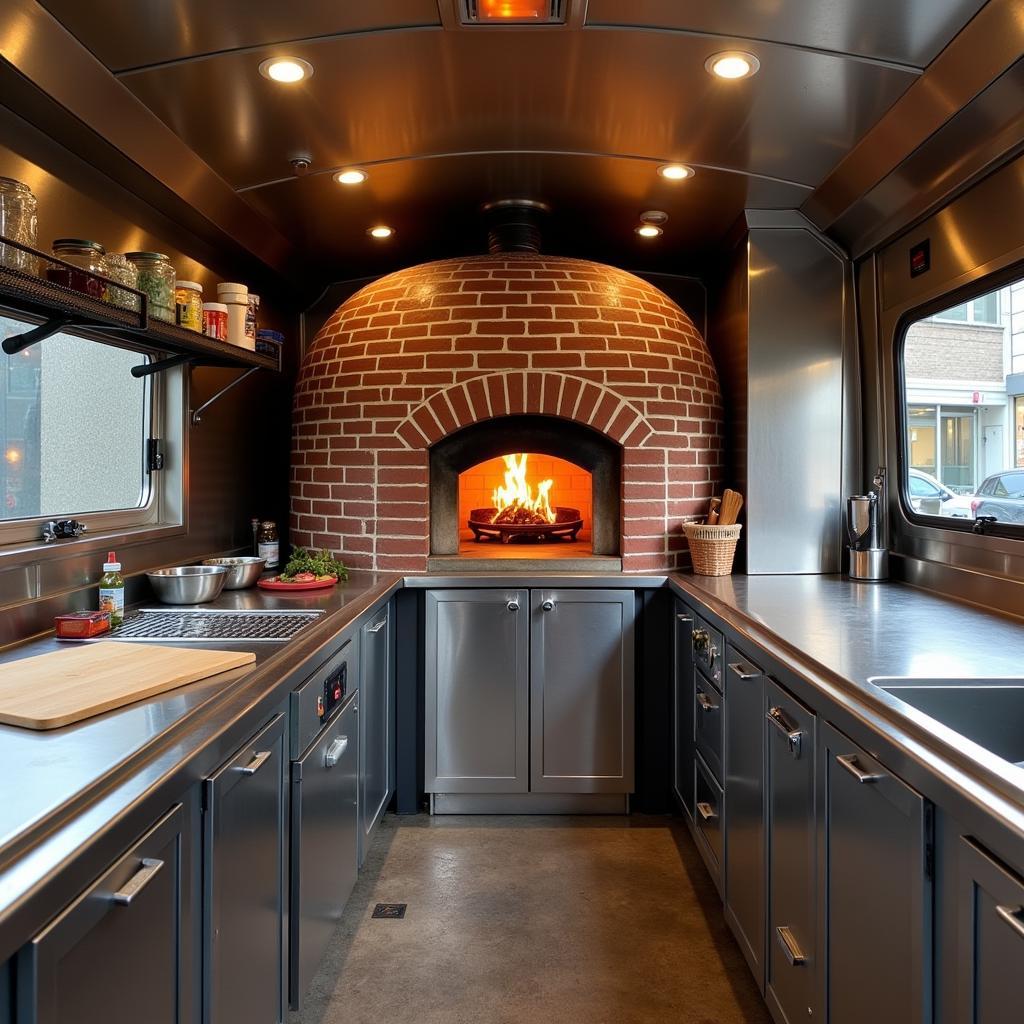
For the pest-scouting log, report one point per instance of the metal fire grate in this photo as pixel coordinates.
(199, 626)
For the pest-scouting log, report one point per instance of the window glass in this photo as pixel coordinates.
(963, 407)
(73, 428)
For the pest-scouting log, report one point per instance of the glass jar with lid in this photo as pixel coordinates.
(18, 223)
(118, 269)
(85, 271)
(156, 282)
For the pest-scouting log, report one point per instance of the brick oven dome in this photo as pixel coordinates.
(428, 350)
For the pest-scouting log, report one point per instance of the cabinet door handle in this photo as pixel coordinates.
(849, 762)
(794, 737)
(335, 750)
(790, 946)
(257, 762)
(378, 627)
(684, 618)
(548, 605)
(705, 702)
(1011, 915)
(740, 670)
(124, 896)
(513, 606)
(706, 811)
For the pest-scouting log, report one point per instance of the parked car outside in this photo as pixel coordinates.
(1001, 495)
(931, 497)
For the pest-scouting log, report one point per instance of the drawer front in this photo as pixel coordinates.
(708, 650)
(708, 723)
(308, 710)
(709, 806)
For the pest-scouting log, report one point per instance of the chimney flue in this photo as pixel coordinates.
(513, 225)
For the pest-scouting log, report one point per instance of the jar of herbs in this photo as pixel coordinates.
(85, 270)
(188, 303)
(18, 223)
(156, 282)
(119, 270)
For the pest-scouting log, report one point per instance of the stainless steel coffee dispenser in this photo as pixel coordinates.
(869, 558)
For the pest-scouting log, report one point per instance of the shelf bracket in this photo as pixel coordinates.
(197, 415)
(17, 342)
(145, 369)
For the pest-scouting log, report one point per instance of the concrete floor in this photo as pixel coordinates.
(534, 919)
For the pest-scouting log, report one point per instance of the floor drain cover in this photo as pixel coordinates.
(391, 911)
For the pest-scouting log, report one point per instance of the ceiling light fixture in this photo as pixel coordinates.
(286, 69)
(648, 231)
(381, 231)
(732, 64)
(351, 176)
(676, 172)
(651, 223)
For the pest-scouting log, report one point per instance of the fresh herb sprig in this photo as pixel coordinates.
(319, 563)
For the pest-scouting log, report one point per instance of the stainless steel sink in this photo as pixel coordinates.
(989, 712)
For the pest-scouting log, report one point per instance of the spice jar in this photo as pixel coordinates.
(85, 273)
(236, 298)
(267, 544)
(215, 320)
(188, 303)
(156, 282)
(118, 269)
(18, 223)
(251, 318)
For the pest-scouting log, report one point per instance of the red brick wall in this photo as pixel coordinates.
(425, 351)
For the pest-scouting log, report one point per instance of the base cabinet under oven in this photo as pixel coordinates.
(324, 843)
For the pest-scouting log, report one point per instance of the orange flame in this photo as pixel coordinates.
(516, 494)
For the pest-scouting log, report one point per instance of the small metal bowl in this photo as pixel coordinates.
(243, 571)
(188, 584)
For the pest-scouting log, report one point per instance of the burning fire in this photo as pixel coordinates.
(514, 500)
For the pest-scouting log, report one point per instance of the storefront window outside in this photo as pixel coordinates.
(1019, 402)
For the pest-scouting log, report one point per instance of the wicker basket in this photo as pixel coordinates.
(712, 547)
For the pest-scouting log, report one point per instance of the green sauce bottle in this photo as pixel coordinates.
(112, 590)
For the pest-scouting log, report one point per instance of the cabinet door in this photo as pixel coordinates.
(116, 951)
(682, 690)
(792, 964)
(581, 691)
(990, 933)
(477, 691)
(744, 806)
(878, 890)
(376, 681)
(243, 869)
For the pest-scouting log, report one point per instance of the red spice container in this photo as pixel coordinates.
(81, 625)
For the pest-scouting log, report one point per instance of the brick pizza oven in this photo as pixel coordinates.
(418, 385)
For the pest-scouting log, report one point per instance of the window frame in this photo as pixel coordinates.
(162, 508)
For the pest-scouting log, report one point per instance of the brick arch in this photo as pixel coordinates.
(523, 393)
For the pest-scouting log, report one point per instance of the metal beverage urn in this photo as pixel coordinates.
(869, 558)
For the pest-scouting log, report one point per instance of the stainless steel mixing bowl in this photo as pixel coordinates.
(188, 584)
(243, 571)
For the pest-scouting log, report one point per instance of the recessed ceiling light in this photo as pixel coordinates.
(381, 231)
(648, 231)
(286, 69)
(732, 64)
(676, 172)
(351, 176)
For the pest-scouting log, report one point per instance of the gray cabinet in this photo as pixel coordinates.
(744, 806)
(990, 938)
(878, 890)
(243, 875)
(581, 691)
(376, 724)
(115, 955)
(708, 722)
(792, 964)
(477, 691)
(682, 707)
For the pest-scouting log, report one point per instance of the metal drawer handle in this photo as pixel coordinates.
(378, 627)
(790, 946)
(258, 761)
(513, 606)
(548, 605)
(684, 618)
(705, 702)
(740, 670)
(849, 762)
(1011, 916)
(794, 737)
(706, 811)
(335, 750)
(124, 896)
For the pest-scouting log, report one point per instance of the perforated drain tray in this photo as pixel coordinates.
(191, 626)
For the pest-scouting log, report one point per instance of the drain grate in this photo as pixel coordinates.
(390, 911)
(198, 626)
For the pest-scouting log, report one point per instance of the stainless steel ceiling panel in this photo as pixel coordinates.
(397, 95)
(905, 31)
(135, 33)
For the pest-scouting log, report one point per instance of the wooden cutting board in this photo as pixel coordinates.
(62, 687)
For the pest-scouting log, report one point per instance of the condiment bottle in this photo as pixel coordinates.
(85, 272)
(215, 320)
(156, 282)
(269, 547)
(188, 305)
(112, 589)
(252, 314)
(18, 223)
(236, 298)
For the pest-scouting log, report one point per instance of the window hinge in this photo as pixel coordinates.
(154, 454)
